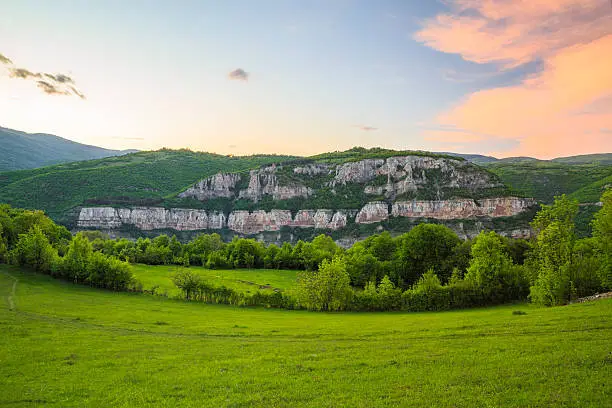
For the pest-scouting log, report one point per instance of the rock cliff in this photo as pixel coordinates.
(390, 177)
(243, 222)
(365, 191)
(150, 218)
(219, 185)
(462, 208)
(247, 223)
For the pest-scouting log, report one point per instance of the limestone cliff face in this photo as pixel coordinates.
(373, 212)
(462, 208)
(390, 177)
(219, 185)
(324, 183)
(245, 222)
(150, 218)
(406, 174)
(314, 169)
(265, 182)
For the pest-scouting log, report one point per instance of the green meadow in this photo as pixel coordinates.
(63, 345)
(242, 280)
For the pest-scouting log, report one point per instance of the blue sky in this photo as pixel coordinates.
(155, 74)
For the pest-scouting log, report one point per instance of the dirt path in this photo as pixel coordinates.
(11, 296)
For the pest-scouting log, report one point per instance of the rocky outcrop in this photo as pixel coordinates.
(313, 169)
(390, 177)
(243, 222)
(376, 211)
(265, 182)
(150, 218)
(246, 222)
(405, 174)
(462, 208)
(217, 186)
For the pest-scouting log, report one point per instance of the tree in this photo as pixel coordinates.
(270, 258)
(426, 246)
(362, 266)
(328, 289)
(33, 250)
(389, 297)
(187, 281)
(382, 246)
(3, 246)
(552, 252)
(77, 259)
(602, 232)
(492, 270)
(202, 246)
(586, 266)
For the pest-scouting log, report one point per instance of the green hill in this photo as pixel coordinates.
(601, 158)
(544, 180)
(137, 178)
(22, 150)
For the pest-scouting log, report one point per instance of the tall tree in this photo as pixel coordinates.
(426, 246)
(552, 252)
(602, 232)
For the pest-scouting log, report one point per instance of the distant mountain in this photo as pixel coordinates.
(474, 158)
(20, 150)
(599, 159)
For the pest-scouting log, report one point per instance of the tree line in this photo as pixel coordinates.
(427, 268)
(32, 240)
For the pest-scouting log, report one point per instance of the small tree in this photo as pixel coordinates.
(77, 259)
(187, 281)
(33, 250)
(328, 289)
(492, 270)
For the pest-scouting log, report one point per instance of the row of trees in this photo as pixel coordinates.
(427, 268)
(552, 269)
(32, 240)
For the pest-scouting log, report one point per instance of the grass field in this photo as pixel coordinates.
(71, 346)
(243, 280)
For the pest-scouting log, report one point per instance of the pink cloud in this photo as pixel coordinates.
(560, 110)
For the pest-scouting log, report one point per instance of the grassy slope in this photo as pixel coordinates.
(544, 180)
(66, 345)
(144, 175)
(591, 193)
(244, 280)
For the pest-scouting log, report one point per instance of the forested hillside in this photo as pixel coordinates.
(22, 150)
(134, 179)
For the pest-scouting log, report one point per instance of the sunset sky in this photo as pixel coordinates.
(499, 77)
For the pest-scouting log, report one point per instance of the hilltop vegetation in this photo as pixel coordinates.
(143, 178)
(156, 179)
(22, 150)
(543, 180)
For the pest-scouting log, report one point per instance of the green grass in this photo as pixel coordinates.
(73, 346)
(242, 280)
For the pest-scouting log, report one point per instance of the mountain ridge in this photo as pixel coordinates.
(22, 150)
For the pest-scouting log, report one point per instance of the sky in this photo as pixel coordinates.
(498, 77)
